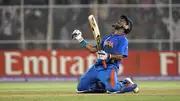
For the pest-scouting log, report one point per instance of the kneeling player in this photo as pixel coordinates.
(114, 48)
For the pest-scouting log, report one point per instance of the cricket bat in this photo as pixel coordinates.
(96, 34)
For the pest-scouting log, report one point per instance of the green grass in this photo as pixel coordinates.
(60, 91)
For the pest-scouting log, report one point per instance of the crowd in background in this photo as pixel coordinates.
(148, 22)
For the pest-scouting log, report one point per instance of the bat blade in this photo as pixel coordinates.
(96, 33)
(95, 30)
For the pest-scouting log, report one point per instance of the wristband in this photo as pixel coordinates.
(84, 43)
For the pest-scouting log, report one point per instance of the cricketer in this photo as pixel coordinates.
(114, 48)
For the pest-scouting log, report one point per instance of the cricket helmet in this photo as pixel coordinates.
(127, 27)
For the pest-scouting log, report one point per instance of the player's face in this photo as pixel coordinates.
(122, 22)
(119, 24)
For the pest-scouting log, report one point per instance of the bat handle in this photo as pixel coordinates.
(104, 64)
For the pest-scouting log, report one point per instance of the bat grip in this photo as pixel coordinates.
(104, 64)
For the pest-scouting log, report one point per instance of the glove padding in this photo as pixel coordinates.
(102, 55)
(77, 35)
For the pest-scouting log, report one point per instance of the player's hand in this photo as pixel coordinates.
(102, 55)
(77, 35)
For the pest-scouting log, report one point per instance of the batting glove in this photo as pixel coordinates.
(102, 55)
(77, 35)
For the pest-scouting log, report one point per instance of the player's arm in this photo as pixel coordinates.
(121, 52)
(116, 56)
(103, 56)
(77, 35)
(90, 48)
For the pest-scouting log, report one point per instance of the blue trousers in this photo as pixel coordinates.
(107, 76)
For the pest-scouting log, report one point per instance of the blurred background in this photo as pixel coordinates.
(48, 24)
(36, 45)
(38, 33)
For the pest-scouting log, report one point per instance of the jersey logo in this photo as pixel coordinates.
(109, 43)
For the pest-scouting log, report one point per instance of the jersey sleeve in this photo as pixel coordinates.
(122, 47)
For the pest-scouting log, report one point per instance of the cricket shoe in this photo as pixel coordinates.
(129, 82)
(83, 91)
(91, 91)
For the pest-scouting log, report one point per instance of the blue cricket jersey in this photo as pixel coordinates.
(114, 44)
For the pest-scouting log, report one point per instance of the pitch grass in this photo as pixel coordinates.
(61, 91)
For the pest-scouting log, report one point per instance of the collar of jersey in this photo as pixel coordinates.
(118, 34)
